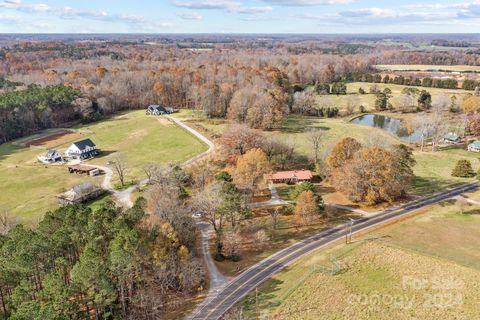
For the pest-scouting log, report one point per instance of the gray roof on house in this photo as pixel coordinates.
(475, 144)
(84, 143)
(156, 106)
(451, 136)
(51, 153)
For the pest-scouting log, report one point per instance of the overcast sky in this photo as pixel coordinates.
(239, 16)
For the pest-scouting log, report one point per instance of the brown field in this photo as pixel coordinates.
(381, 282)
(423, 67)
(423, 267)
(54, 139)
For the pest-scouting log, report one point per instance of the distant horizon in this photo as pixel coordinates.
(239, 16)
(243, 33)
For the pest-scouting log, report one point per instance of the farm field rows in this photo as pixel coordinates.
(426, 267)
(29, 188)
(426, 67)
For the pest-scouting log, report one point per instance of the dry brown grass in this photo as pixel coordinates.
(379, 271)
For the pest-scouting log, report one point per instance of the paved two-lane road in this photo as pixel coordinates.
(217, 305)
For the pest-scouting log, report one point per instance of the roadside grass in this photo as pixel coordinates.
(433, 248)
(29, 188)
(288, 232)
(433, 170)
(442, 232)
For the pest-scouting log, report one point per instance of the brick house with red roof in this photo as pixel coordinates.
(290, 176)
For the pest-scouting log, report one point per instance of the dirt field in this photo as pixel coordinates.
(54, 139)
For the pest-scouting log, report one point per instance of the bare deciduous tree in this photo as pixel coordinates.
(274, 214)
(208, 203)
(315, 136)
(120, 167)
(7, 221)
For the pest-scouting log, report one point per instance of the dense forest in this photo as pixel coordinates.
(106, 263)
(249, 81)
(25, 111)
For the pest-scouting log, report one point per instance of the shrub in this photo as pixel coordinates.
(261, 238)
(463, 169)
(304, 186)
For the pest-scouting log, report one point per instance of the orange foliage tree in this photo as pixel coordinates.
(250, 169)
(343, 152)
(100, 71)
(471, 104)
(306, 207)
(373, 175)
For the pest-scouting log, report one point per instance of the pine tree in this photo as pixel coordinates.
(463, 169)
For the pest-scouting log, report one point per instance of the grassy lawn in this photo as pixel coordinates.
(434, 169)
(295, 130)
(436, 248)
(368, 100)
(142, 139)
(29, 188)
(287, 233)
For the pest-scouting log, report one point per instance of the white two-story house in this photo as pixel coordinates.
(82, 150)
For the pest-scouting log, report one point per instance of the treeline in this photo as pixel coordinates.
(5, 83)
(102, 264)
(26, 111)
(427, 82)
(440, 58)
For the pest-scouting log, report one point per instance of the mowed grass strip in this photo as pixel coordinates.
(29, 188)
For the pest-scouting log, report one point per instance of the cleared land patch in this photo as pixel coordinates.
(54, 139)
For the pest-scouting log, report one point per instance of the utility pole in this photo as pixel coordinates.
(256, 304)
(348, 235)
(351, 230)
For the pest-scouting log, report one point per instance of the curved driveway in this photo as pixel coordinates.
(124, 196)
(216, 306)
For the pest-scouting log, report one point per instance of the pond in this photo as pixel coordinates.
(391, 125)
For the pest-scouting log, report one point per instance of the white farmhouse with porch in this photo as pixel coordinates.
(52, 156)
(82, 150)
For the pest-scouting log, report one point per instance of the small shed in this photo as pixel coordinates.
(79, 169)
(79, 194)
